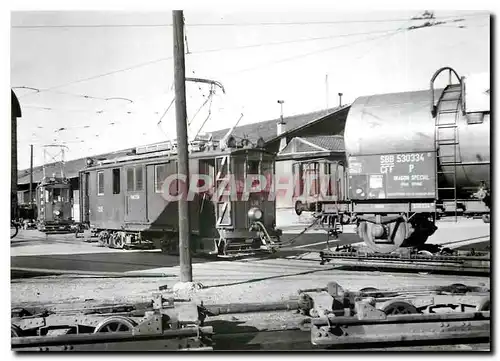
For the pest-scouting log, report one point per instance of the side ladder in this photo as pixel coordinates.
(446, 140)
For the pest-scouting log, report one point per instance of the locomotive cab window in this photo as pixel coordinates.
(116, 181)
(138, 178)
(253, 166)
(130, 179)
(160, 175)
(56, 195)
(135, 179)
(100, 183)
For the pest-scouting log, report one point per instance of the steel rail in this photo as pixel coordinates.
(37, 341)
(397, 319)
(48, 271)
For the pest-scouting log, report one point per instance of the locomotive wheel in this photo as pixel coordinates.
(115, 324)
(393, 237)
(222, 247)
(298, 208)
(398, 308)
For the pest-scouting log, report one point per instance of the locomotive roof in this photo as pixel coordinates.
(55, 181)
(169, 156)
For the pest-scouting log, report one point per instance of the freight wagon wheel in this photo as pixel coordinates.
(15, 331)
(383, 238)
(115, 324)
(116, 241)
(398, 308)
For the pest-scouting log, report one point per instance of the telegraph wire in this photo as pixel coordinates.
(237, 24)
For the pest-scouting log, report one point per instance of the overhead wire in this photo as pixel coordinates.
(139, 65)
(102, 75)
(307, 54)
(388, 34)
(405, 26)
(213, 50)
(212, 91)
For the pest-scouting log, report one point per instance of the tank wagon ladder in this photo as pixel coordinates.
(445, 120)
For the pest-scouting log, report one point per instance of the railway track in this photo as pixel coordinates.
(323, 318)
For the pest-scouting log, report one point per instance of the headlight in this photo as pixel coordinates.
(57, 213)
(255, 214)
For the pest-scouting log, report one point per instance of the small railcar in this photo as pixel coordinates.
(54, 205)
(125, 200)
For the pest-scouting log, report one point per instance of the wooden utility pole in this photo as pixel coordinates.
(31, 177)
(182, 146)
(15, 113)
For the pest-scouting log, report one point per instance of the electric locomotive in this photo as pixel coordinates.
(54, 205)
(124, 199)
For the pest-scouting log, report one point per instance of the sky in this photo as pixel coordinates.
(102, 81)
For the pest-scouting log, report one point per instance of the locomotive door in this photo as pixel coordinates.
(135, 194)
(84, 197)
(222, 201)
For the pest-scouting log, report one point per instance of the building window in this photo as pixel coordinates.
(116, 181)
(100, 183)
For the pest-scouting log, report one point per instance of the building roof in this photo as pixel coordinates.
(334, 143)
(266, 129)
(71, 168)
(312, 147)
(319, 143)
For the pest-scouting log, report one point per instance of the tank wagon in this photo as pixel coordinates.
(54, 205)
(412, 158)
(123, 199)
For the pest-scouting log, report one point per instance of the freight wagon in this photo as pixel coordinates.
(412, 158)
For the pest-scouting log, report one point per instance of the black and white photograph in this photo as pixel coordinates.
(263, 179)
